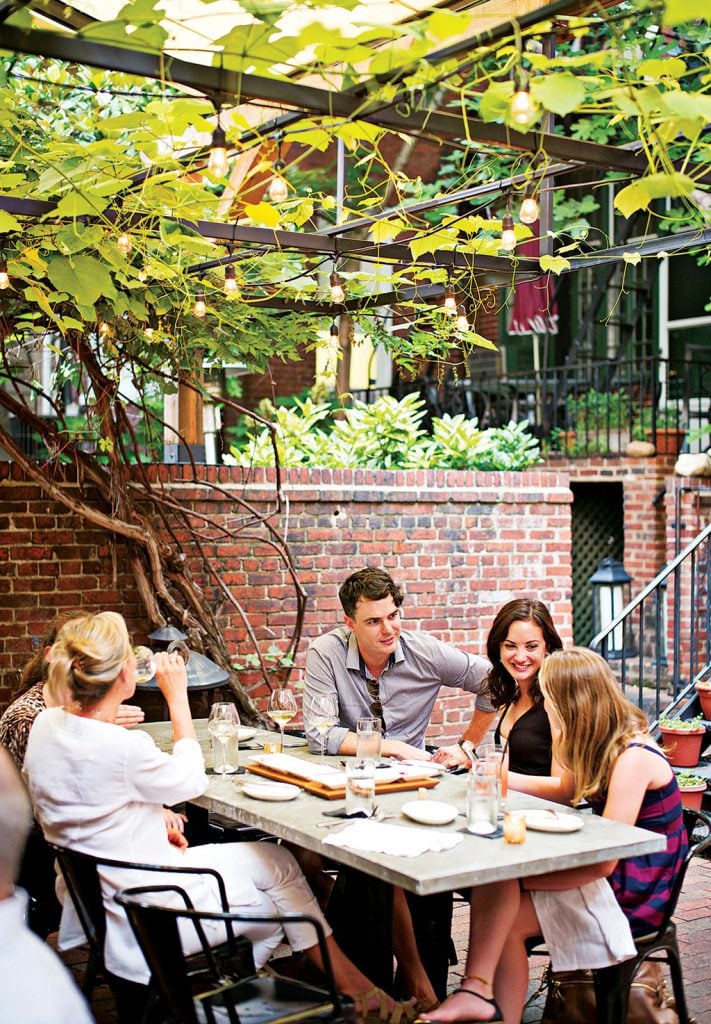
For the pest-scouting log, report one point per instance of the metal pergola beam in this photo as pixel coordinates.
(223, 85)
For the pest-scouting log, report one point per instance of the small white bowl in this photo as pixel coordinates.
(245, 732)
(430, 812)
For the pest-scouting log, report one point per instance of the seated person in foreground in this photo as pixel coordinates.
(100, 789)
(375, 668)
(588, 915)
(36, 987)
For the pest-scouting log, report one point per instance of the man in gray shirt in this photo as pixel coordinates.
(376, 669)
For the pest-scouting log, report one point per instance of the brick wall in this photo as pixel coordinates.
(460, 544)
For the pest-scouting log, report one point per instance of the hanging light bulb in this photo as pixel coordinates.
(449, 304)
(104, 329)
(278, 189)
(199, 309)
(333, 330)
(4, 279)
(529, 209)
(462, 321)
(337, 292)
(230, 285)
(508, 235)
(217, 161)
(124, 243)
(523, 106)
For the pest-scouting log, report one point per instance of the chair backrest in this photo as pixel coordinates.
(698, 831)
(83, 881)
(180, 977)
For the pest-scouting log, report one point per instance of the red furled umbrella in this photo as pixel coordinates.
(534, 310)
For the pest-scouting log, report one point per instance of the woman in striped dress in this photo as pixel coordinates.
(586, 915)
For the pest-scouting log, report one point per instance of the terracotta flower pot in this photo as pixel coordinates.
(704, 692)
(692, 796)
(683, 746)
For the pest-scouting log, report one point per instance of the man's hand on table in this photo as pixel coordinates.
(451, 757)
(403, 751)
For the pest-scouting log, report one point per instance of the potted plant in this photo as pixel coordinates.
(662, 427)
(704, 692)
(681, 738)
(692, 787)
(602, 417)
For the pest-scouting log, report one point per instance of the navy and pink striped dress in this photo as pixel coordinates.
(642, 885)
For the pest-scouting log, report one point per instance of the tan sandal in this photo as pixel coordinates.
(401, 1013)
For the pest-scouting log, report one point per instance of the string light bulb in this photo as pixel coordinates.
(217, 161)
(103, 329)
(230, 286)
(337, 292)
(333, 330)
(508, 235)
(462, 320)
(278, 190)
(124, 243)
(4, 279)
(523, 106)
(529, 211)
(449, 304)
(199, 309)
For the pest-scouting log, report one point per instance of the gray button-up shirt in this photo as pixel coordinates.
(408, 685)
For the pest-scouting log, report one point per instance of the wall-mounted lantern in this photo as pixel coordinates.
(610, 586)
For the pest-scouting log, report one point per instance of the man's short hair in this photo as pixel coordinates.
(371, 584)
(15, 820)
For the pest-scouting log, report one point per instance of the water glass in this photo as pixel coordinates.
(369, 738)
(482, 799)
(493, 754)
(360, 787)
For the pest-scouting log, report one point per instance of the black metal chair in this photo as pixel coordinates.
(82, 877)
(210, 994)
(612, 984)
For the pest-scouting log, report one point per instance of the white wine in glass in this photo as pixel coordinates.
(282, 708)
(322, 715)
(223, 726)
(145, 664)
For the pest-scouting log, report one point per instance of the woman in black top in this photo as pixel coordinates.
(521, 636)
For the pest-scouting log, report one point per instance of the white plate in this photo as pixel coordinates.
(553, 821)
(245, 732)
(430, 812)
(271, 790)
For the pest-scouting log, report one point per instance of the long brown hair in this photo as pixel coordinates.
(87, 657)
(596, 720)
(502, 686)
(36, 669)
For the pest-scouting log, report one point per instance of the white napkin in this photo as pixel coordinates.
(297, 766)
(373, 837)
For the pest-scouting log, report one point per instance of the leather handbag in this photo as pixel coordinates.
(570, 998)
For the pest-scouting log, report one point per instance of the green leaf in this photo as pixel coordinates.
(263, 213)
(678, 11)
(84, 278)
(632, 198)
(495, 102)
(554, 263)
(8, 222)
(75, 204)
(386, 230)
(561, 93)
(632, 257)
(431, 242)
(668, 67)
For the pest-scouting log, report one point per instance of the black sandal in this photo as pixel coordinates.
(496, 1019)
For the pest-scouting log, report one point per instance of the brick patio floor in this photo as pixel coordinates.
(694, 930)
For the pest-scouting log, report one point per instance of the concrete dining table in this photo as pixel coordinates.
(360, 909)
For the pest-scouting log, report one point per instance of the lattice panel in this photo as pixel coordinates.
(597, 527)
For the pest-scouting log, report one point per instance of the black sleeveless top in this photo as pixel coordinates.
(530, 742)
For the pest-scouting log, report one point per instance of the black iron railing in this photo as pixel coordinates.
(663, 636)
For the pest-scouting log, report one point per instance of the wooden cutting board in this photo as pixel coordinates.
(339, 792)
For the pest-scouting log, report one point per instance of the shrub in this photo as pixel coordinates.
(387, 434)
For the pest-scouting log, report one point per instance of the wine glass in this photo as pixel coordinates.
(323, 715)
(223, 726)
(145, 664)
(282, 708)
